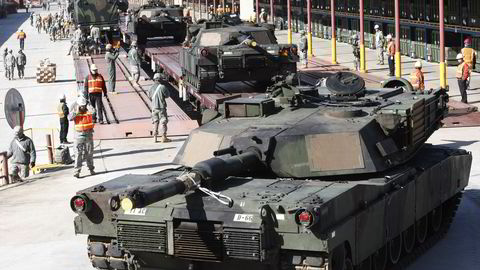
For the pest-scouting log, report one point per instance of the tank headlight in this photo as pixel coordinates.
(305, 218)
(80, 204)
(204, 52)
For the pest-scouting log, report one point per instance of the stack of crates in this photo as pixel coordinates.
(418, 44)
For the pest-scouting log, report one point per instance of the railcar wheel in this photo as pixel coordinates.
(421, 229)
(436, 218)
(395, 249)
(380, 259)
(409, 239)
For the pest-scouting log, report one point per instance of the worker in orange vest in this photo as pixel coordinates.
(94, 85)
(391, 54)
(469, 56)
(22, 36)
(462, 74)
(84, 125)
(416, 78)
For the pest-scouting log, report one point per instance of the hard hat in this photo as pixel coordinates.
(418, 64)
(18, 130)
(389, 36)
(459, 56)
(468, 41)
(157, 76)
(78, 25)
(376, 26)
(263, 9)
(108, 47)
(93, 67)
(81, 101)
(61, 96)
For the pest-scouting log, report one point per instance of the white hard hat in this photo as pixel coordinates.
(81, 101)
(389, 36)
(93, 67)
(61, 96)
(109, 46)
(418, 64)
(263, 9)
(376, 26)
(459, 56)
(18, 130)
(354, 36)
(156, 76)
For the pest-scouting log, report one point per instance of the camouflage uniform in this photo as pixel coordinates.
(134, 60)
(303, 48)
(83, 146)
(159, 93)
(21, 154)
(21, 61)
(10, 65)
(5, 53)
(111, 56)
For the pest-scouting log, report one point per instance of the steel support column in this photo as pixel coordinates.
(289, 16)
(398, 58)
(272, 12)
(257, 10)
(443, 70)
(363, 66)
(309, 20)
(334, 32)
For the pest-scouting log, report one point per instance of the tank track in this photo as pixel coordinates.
(451, 206)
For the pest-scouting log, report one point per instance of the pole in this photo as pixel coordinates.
(49, 148)
(309, 20)
(289, 16)
(272, 12)
(443, 70)
(363, 66)
(334, 34)
(257, 10)
(398, 57)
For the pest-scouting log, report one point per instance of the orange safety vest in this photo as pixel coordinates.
(21, 35)
(60, 111)
(95, 85)
(460, 70)
(84, 122)
(417, 80)
(391, 48)
(468, 55)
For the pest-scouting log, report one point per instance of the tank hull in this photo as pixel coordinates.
(354, 218)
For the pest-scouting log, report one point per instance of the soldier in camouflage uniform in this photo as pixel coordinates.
(356, 52)
(159, 93)
(21, 61)
(303, 48)
(135, 61)
(10, 63)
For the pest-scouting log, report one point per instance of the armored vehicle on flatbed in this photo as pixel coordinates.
(219, 54)
(101, 13)
(302, 177)
(158, 20)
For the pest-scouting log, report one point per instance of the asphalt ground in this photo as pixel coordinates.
(36, 224)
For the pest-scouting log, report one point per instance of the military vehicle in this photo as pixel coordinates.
(101, 13)
(158, 20)
(236, 53)
(302, 177)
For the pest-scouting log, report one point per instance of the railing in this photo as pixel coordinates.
(4, 169)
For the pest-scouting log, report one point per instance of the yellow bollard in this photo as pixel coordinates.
(363, 63)
(443, 75)
(289, 36)
(334, 51)
(310, 43)
(398, 64)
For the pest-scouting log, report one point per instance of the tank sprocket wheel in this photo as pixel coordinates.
(421, 229)
(395, 249)
(380, 259)
(409, 239)
(436, 217)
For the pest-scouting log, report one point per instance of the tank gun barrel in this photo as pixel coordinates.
(202, 176)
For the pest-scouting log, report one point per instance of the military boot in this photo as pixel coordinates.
(165, 139)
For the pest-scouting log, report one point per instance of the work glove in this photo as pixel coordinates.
(32, 164)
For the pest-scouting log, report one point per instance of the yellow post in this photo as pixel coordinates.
(334, 50)
(310, 49)
(289, 36)
(443, 75)
(398, 65)
(363, 63)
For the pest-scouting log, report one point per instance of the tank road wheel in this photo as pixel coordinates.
(409, 239)
(340, 259)
(395, 249)
(421, 229)
(436, 218)
(380, 259)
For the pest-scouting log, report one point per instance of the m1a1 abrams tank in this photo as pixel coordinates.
(219, 54)
(101, 13)
(299, 178)
(158, 20)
